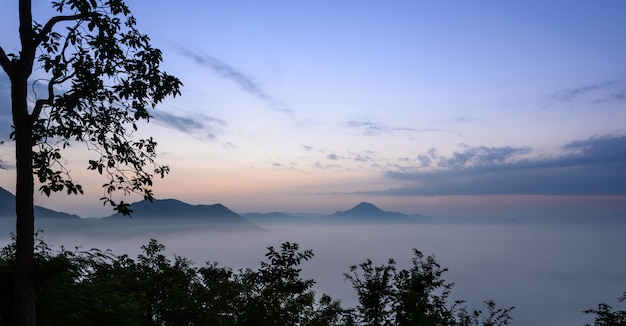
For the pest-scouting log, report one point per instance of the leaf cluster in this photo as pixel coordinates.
(414, 296)
(100, 77)
(607, 316)
(93, 287)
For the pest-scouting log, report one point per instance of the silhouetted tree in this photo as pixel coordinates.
(415, 296)
(276, 294)
(99, 76)
(329, 312)
(169, 287)
(71, 289)
(495, 316)
(221, 295)
(375, 291)
(421, 293)
(606, 316)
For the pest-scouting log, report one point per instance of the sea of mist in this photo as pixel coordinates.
(549, 272)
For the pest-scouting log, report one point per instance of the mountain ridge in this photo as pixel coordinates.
(165, 209)
(7, 208)
(160, 208)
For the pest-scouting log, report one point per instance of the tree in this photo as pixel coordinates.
(374, 290)
(495, 316)
(73, 288)
(100, 76)
(421, 293)
(277, 294)
(169, 287)
(415, 296)
(220, 295)
(606, 316)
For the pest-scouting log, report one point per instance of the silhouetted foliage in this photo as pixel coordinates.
(417, 296)
(276, 294)
(375, 291)
(606, 316)
(495, 316)
(71, 289)
(97, 77)
(93, 287)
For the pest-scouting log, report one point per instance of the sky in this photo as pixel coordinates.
(431, 107)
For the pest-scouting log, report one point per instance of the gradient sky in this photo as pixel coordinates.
(432, 107)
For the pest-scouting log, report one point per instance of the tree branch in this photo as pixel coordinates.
(57, 19)
(48, 101)
(55, 79)
(5, 63)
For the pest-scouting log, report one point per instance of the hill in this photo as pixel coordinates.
(7, 208)
(172, 210)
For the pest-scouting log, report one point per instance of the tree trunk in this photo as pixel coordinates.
(24, 304)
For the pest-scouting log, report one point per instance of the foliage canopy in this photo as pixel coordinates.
(93, 287)
(98, 76)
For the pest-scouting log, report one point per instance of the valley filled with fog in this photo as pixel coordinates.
(550, 272)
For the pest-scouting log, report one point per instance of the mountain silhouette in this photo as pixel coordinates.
(7, 208)
(172, 210)
(368, 210)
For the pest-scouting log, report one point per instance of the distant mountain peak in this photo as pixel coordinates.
(365, 209)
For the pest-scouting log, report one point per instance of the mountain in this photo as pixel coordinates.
(370, 214)
(368, 210)
(7, 208)
(172, 209)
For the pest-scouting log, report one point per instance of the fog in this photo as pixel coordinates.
(549, 272)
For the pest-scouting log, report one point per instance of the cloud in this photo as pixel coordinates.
(326, 166)
(362, 158)
(229, 145)
(457, 120)
(5, 166)
(618, 95)
(349, 161)
(602, 92)
(199, 124)
(368, 128)
(290, 166)
(479, 157)
(242, 80)
(595, 166)
(372, 128)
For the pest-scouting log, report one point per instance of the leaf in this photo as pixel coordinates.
(45, 190)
